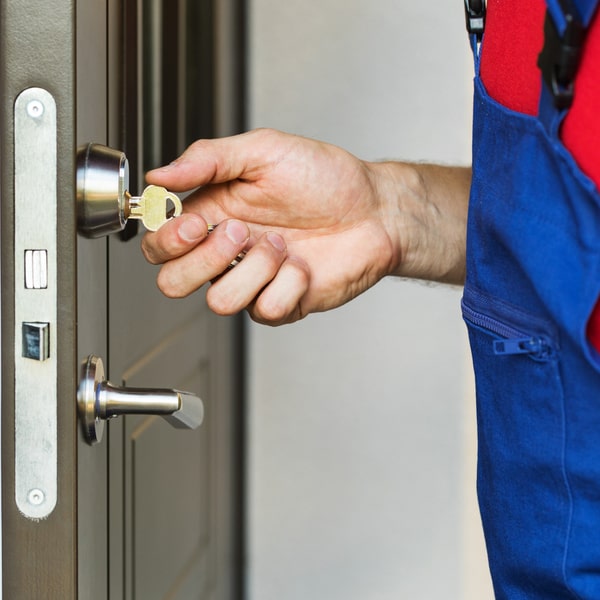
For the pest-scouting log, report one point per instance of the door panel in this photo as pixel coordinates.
(167, 470)
(175, 550)
(151, 511)
(181, 495)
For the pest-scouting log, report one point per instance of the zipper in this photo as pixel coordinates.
(514, 341)
(536, 346)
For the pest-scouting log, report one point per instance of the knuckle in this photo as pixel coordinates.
(265, 131)
(221, 304)
(269, 312)
(171, 292)
(149, 251)
(269, 256)
(299, 271)
(266, 134)
(168, 289)
(198, 145)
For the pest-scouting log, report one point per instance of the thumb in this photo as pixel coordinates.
(218, 160)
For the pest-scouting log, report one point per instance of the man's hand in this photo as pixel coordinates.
(318, 225)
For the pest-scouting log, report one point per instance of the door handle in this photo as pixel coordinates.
(100, 400)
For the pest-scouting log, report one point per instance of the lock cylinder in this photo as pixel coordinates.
(102, 184)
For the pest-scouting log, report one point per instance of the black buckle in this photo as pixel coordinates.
(475, 17)
(560, 58)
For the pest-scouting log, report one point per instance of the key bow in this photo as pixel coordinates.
(155, 207)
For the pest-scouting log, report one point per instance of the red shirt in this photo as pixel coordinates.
(514, 36)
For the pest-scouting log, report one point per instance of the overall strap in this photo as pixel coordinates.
(475, 19)
(565, 29)
(564, 33)
(561, 12)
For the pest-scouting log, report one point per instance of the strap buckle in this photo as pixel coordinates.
(560, 58)
(475, 17)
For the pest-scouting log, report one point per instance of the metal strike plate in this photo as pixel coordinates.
(35, 267)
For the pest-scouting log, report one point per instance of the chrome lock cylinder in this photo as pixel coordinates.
(104, 203)
(102, 184)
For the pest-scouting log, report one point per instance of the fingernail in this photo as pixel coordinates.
(237, 232)
(276, 241)
(192, 230)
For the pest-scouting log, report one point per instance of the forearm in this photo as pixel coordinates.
(424, 208)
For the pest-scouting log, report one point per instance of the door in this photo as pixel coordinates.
(151, 511)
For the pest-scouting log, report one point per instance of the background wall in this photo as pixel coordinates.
(361, 421)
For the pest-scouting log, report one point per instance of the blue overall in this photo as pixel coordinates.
(533, 278)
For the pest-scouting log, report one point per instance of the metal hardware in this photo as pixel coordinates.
(560, 57)
(36, 341)
(102, 182)
(35, 109)
(36, 269)
(35, 291)
(104, 203)
(100, 400)
(475, 11)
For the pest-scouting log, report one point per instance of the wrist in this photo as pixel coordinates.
(424, 211)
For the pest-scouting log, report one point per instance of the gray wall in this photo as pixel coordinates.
(361, 421)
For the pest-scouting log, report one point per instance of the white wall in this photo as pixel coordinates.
(361, 421)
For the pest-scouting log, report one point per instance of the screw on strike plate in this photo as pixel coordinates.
(35, 109)
(36, 497)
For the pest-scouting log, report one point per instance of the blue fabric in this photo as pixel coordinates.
(533, 278)
(585, 10)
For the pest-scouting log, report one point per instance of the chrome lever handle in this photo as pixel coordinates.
(100, 400)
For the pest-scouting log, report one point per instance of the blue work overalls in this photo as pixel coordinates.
(533, 278)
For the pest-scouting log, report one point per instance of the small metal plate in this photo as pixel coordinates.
(36, 455)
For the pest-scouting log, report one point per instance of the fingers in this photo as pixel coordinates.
(267, 282)
(174, 238)
(270, 286)
(217, 160)
(281, 301)
(184, 273)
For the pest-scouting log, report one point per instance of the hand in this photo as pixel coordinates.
(316, 229)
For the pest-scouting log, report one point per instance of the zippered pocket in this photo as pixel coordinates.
(523, 492)
(513, 331)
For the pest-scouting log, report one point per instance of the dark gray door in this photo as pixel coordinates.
(151, 511)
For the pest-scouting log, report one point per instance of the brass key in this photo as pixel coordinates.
(154, 207)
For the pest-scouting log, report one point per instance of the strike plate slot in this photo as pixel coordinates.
(36, 300)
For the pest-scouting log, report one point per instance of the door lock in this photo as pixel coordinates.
(102, 182)
(104, 203)
(100, 400)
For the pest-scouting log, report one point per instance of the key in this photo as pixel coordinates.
(154, 207)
